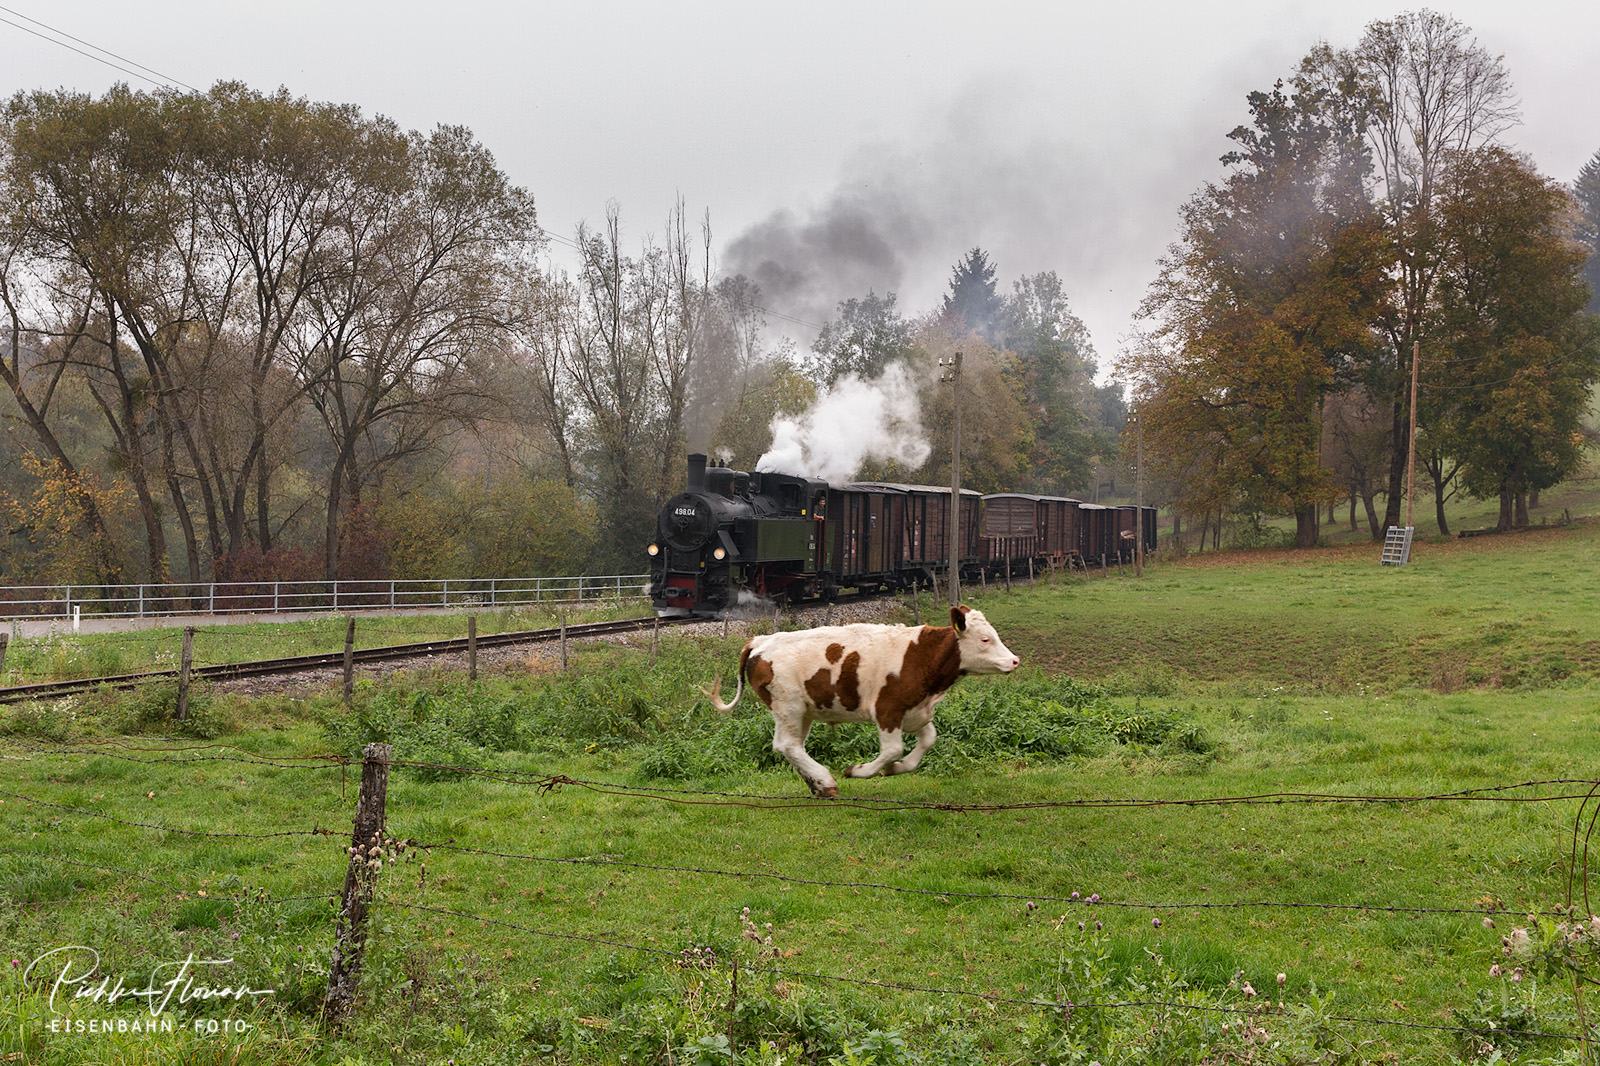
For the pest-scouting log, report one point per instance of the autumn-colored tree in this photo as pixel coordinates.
(996, 432)
(1056, 359)
(1439, 94)
(503, 527)
(869, 334)
(1265, 305)
(1515, 353)
(62, 522)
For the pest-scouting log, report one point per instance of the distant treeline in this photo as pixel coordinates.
(247, 335)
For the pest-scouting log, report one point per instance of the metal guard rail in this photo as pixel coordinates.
(273, 597)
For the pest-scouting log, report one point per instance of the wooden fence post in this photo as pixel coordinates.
(183, 673)
(472, 647)
(5, 638)
(563, 641)
(655, 636)
(349, 657)
(360, 881)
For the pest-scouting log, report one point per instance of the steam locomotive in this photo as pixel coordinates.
(791, 539)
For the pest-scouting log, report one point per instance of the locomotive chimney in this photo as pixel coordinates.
(697, 472)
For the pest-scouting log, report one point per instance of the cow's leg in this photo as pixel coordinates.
(789, 740)
(891, 745)
(925, 738)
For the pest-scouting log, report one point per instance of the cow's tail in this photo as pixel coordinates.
(715, 691)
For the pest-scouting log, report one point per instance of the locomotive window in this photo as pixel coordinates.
(789, 497)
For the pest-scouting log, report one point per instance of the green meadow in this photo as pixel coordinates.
(1132, 851)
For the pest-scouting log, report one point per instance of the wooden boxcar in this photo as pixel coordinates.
(920, 517)
(1061, 521)
(1012, 530)
(1096, 533)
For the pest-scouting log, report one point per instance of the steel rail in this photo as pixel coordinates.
(333, 660)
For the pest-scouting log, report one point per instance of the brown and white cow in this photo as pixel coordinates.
(892, 676)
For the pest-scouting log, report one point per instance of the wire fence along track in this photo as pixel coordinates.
(334, 660)
(1259, 1012)
(1253, 1012)
(289, 597)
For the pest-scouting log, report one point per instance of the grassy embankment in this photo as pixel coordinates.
(1232, 676)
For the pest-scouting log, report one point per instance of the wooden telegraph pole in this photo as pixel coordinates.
(1138, 496)
(953, 376)
(1411, 458)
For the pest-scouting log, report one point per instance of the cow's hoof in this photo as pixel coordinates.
(831, 792)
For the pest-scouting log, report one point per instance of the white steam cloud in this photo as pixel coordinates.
(854, 421)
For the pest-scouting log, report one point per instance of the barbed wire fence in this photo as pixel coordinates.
(373, 846)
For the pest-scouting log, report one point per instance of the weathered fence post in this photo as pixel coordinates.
(1030, 570)
(349, 657)
(724, 623)
(563, 641)
(5, 638)
(183, 673)
(360, 881)
(1008, 573)
(472, 647)
(655, 639)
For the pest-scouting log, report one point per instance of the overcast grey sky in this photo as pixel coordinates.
(870, 143)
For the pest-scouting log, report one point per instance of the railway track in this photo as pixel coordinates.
(297, 663)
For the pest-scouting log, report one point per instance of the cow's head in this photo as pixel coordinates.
(982, 650)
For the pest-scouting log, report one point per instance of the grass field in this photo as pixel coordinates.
(602, 923)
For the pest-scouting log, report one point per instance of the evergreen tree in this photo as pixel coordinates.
(972, 304)
(1586, 190)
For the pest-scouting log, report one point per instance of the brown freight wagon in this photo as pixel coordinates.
(922, 524)
(1011, 531)
(1060, 522)
(1096, 533)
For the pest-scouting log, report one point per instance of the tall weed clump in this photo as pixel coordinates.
(1044, 719)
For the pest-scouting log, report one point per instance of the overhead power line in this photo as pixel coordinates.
(159, 79)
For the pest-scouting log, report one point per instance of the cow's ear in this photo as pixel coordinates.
(958, 617)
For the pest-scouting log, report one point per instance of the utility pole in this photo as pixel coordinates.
(1138, 496)
(1411, 459)
(952, 374)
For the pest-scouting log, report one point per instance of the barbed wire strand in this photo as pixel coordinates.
(985, 996)
(1075, 900)
(168, 828)
(247, 898)
(298, 762)
(551, 782)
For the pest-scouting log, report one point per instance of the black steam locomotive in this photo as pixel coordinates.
(789, 538)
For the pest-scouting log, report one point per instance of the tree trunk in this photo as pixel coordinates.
(1177, 532)
(1438, 509)
(1507, 507)
(1306, 525)
(1520, 517)
(1372, 512)
(1401, 440)
(1533, 500)
(1353, 526)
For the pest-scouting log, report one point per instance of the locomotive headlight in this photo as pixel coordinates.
(718, 554)
(654, 550)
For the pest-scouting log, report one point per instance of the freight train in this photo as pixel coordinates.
(792, 539)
